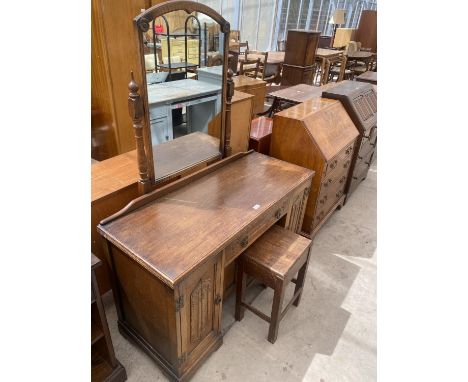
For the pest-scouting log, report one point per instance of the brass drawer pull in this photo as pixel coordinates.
(244, 242)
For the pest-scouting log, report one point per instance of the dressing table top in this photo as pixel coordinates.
(170, 92)
(173, 233)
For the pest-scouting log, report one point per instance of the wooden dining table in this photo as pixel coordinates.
(273, 57)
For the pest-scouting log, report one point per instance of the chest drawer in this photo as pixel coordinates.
(252, 232)
(340, 161)
(331, 191)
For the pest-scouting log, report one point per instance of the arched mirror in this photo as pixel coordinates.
(179, 110)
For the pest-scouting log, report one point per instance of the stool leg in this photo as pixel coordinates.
(240, 290)
(300, 280)
(276, 311)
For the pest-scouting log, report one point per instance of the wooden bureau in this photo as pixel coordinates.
(317, 134)
(252, 86)
(168, 250)
(360, 101)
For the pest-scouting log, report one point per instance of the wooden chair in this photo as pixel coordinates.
(243, 48)
(249, 67)
(233, 59)
(270, 73)
(274, 259)
(336, 66)
(362, 67)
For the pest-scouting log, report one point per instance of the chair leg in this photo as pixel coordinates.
(240, 290)
(276, 312)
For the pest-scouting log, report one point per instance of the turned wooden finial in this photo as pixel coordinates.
(135, 108)
(227, 132)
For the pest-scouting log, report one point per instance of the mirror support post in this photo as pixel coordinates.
(227, 132)
(135, 108)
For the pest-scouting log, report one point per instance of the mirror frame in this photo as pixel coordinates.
(138, 96)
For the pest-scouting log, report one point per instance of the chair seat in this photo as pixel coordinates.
(277, 250)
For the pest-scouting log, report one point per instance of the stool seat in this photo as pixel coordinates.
(279, 250)
(274, 259)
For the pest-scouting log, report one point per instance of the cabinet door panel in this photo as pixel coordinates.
(200, 313)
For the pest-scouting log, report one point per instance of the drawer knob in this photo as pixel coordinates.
(278, 214)
(349, 149)
(244, 242)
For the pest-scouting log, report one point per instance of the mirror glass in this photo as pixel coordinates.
(183, 58)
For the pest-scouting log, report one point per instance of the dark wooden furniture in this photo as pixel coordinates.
(168, 250)
(104, 365)
(260, 135)
(336, 66)
(317, 134)
(325, 42)
(249, 68)
(366, 33)
(369, 76)
(360, 101)
(299, 60)
(274, 259)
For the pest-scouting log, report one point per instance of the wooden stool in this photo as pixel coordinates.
(273, 259)
(260, 134)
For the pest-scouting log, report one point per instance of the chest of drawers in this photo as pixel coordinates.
(317, 134)
(360, 101)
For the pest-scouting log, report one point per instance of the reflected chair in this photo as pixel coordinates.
(249, 67)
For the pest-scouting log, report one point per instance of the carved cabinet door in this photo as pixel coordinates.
(200, 312)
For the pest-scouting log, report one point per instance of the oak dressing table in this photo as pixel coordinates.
(168, 250)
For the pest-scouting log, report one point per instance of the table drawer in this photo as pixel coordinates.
(252, 232)
(157, 112)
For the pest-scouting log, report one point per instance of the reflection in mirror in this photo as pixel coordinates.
(184, 73)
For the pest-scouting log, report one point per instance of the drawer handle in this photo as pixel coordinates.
(244, 242)
(343, 178)
(346, 164)
(278, 214)
(328, 182)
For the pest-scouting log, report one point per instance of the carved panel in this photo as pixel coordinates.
(201, 310)
(297, 212)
